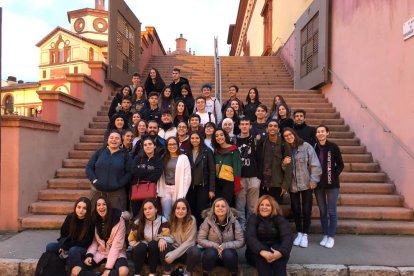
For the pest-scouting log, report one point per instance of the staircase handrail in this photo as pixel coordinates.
(364, 106)
(217, 71)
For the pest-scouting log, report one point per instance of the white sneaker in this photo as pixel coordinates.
(330, 242)
(324, 240)
(304, 241)
(296, 242)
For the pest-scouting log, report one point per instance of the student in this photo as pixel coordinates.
(136, 81)
(220, 235)
(152, 111)
(140, 130)
(283, 115)
(213, 105)
(202, 175)
(117, 123)
(139, 99)
(187, 97)
(109, 170)
(125, 110)
(149, 238)
(252, 102)
(228, 126)
(108, 244)
(182, 135)
(277, 100)
(183, 228)
(236, 106)
(177, 83)
(269, 238)
(307, 133)
(201, 111)
(260, 125)
(116, 101)
(274, 172)
(176, 177)
(136, 118)
(228, 166)
(167, 128)
(327, 191)
(233, 89)
(166, 99)
(76, 234)
(195, 123)
(306, 174)
(127, 138)
(180, 112)
(154, 81)
(208, 134)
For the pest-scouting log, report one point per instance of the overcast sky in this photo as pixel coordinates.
(26, 22)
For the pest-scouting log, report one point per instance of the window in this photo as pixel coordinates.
(60, 52)
(90, 54)
(9, 104)
(267, 27)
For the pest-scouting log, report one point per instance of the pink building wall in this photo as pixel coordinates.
(287, 53)
(369, 55)
(151, 46)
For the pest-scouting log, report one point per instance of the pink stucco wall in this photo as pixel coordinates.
(287, 53)
(369, 54)
(154, 48)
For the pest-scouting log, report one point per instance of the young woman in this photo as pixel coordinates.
(228, 126)
(306, 174)
(154, 82)
(76, 234)
(327, 191)
(149, 238)
(228, 165)
(220, 235)
(180, 112)
(108, 244)
(140, 130)
(252, 102)
(147, 167)
(138, 100)
(284, 117)
(117, 100)
(269, 238)
(232, 114)
(117, 123)
(127, 138)
(209, 129)
(183, 228)
(166, 100)
(202, 175)
(182, 135)
(176, 177)
(236, 106)
(187, 97)
(109, 170)
(277, 100)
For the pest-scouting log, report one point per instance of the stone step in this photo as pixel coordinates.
(370, 212)
(98, 131)
(80, 154)
(331, 115)
(101, 125)
(341, 134)
(69, 183)
(352, 149)
(71, 173)
(37, 221)
(104, 118)
(75, 163)
(91, 138)
(345, 142)
(52, 207)
(88, 146)
(361, 167)
(358, 158)
(63, 194)
(313, 121)
(102, 113)
(370, 200)
(367, 188)
(310, 105)
(362, 177)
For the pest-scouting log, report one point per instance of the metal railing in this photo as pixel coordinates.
(364, 106)
(217, 71)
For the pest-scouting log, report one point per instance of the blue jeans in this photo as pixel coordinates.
(75, 253)
(327, 200)
(210, 259)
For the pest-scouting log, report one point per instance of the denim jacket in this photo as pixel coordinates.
(306, 168)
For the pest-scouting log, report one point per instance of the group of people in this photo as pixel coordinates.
(221, 170)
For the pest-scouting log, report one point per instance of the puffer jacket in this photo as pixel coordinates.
(306, 168)
(153, 230)
(203, 169)
(210, 236)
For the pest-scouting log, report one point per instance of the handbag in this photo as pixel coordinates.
(143, 190)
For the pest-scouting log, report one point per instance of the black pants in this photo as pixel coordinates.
(86, 270)
(301, 204)
(225, 189)
(191, 258)
(229, 259)
(273, 192)
(150, 253)
(276, 268)
(198, 199)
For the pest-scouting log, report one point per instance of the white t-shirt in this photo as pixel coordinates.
(206, 118)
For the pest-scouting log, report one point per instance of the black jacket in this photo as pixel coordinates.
(203, 170)
(332, 165)
(68, 242)
(149, 114)
(176, 87)
(248, 156)
(274, 232)
(307, 133)
(147, 169)
(117, 100)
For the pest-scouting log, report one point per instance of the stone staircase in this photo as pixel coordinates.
(368, 203)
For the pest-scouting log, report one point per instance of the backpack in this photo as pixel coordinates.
(50, 264)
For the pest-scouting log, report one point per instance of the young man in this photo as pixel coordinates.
(250, 183)
(304, 131)
(213, 105)
(195, 124)
(177, 83)
(167, 128)
(232, 96)
(275, 170)
(125, 110)
(153, 133)
(202, 112)
(259, 126)
(151, 112)
(136, 81)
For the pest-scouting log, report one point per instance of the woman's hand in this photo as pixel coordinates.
(168, 259)
(286, 160)
(162, 245)
(266, 255)
(106, 272)
(211, 195)
(88, 261)
(133, 243)
(312, 186)
(220, 250)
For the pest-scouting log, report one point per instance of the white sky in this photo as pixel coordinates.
(26, 22)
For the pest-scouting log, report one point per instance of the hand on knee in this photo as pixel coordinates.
(123, 271)
(75, 270)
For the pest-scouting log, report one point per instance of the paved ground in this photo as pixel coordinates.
(349, 249)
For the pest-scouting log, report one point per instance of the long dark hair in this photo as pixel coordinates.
(141, 217)
(111, 124)
(175, 111)
(282, 100)
(188, 88)
(287, 110)
(122, 89)
(202, 145)
(248, 100)
(186, 220)
(297, 142)
(226, 138)
(159, 82)
(235, 116)
(74, 232)
(142, 153)
(167, 155)
(104, 224)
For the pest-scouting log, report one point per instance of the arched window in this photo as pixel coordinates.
(9, 104)
(90, 54)
(60, 51)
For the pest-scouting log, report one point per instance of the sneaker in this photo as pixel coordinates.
(296, 242)
(304, 241)
(330, 242)
(324, 240)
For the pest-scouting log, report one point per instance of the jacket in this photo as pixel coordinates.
(203, 169)
(73, 241)
(210, 236)
(306, 168)
(332, 165)
(147, 169)
(182, 178)
(307, 133)
(176, 87)
(113, 171)
(274, 232)
(183, 240)
(149, 114)
(281, 175)
(112, 249)
(248, 155)
(228, 166)
(250, 110)
(153, 230)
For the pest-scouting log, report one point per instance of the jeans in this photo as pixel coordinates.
(198, 199)
(327, 199)
(247, 198)
(301, 204)
(167, 201)
(225, 189)
(75, 253)
(229, 259)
